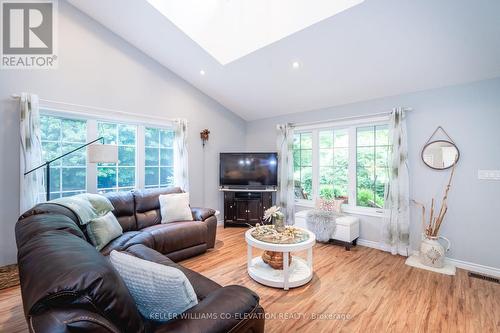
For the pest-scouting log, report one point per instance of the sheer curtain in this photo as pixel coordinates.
(396, 222)
(286, 196)
(181, 176)
(32, 185)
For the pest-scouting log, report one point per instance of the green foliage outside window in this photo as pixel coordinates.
(333, 164)
(68, 176)
(372, 168)
(332, 149)
(302, 165)
(159, 153)
(121, 176)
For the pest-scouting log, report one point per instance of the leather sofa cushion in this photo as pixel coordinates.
(127, 239)
(148, 205)
(51, 208)
(173, 236)
(119, 242)
(124, 209)
(202, 285)
(76, 320)
(59, 269)
(187, 253)
(201, 214)
(37, 221)
(234, 302)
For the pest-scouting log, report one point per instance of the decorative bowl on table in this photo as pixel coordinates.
(275, 259)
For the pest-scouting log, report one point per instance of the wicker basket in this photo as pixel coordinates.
(275, 259)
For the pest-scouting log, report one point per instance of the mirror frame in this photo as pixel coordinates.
(450, 142)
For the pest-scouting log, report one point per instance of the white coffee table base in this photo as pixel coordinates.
(299, 273)
(294, 274)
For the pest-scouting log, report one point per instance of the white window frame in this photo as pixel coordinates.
(159, 166)
(60, 190)
(95, 115)
(351, 125)
(117, 166)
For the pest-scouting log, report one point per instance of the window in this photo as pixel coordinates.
(333, 164)
(372, 151)
(346, 161)
(302, 165)
(159, 157)
(68, 176)
(112, 176)
(145, 153)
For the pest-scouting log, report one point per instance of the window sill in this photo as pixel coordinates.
(374, 212)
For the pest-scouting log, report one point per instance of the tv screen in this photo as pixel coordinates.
(248, 169)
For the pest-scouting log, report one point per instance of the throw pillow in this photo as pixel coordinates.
(330, 205)
(103, 230)
(175, 207)
(337, 205)
(160, 292)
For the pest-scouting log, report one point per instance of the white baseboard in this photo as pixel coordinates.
(470, 266)
(466, 265)
(369, 243)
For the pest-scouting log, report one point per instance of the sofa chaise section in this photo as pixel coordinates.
(69, 286)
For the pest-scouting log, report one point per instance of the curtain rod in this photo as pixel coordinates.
(96, 108)
(348, 118)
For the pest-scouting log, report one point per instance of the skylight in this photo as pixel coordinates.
(231, 29)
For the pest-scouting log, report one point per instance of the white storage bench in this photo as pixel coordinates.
(346, 232)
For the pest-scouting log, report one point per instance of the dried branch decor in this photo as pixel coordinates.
(431, 228)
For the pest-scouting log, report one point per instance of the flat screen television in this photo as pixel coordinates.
(248, 169)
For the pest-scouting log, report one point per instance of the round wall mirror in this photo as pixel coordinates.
(440, 154)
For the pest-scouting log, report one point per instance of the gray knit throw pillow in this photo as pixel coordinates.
(160, 292)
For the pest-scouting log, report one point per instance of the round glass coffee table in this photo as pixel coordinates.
(294, 274)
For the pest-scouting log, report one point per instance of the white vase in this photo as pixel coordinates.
(432, 253)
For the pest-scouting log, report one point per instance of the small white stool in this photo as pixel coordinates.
(346, 233)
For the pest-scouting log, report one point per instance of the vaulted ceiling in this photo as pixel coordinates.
(358, 52)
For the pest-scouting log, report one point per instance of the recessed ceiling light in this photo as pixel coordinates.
(295, 64)
(202, 72)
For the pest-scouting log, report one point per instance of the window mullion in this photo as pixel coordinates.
(92, 134)
(352, 166)
(140, 152)
(117, 186)
(315, 165)
(374, 171)
(159, 159)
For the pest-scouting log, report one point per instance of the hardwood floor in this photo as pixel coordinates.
(375, 290)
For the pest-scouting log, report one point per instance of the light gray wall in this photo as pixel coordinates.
(471, 116)
(97, 68)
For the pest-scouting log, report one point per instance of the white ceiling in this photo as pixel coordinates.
(231, 29)
(375, 49)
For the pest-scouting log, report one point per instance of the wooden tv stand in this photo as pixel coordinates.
(243, 207)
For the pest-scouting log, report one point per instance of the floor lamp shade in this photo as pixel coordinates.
(102, 153)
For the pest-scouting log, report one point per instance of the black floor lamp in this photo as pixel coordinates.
(96, 154)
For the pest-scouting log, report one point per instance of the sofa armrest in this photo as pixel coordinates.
(224, 310)
(201, 214)
(64, 320)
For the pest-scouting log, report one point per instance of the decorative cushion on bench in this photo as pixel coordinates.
(321, 223)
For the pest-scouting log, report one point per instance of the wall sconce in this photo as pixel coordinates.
(204, 136)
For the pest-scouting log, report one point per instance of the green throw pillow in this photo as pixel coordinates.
(103, 230)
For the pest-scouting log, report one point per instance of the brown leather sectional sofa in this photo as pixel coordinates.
(69, 286)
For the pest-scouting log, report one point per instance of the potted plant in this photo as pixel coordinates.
(432, 253)
(278, 218)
